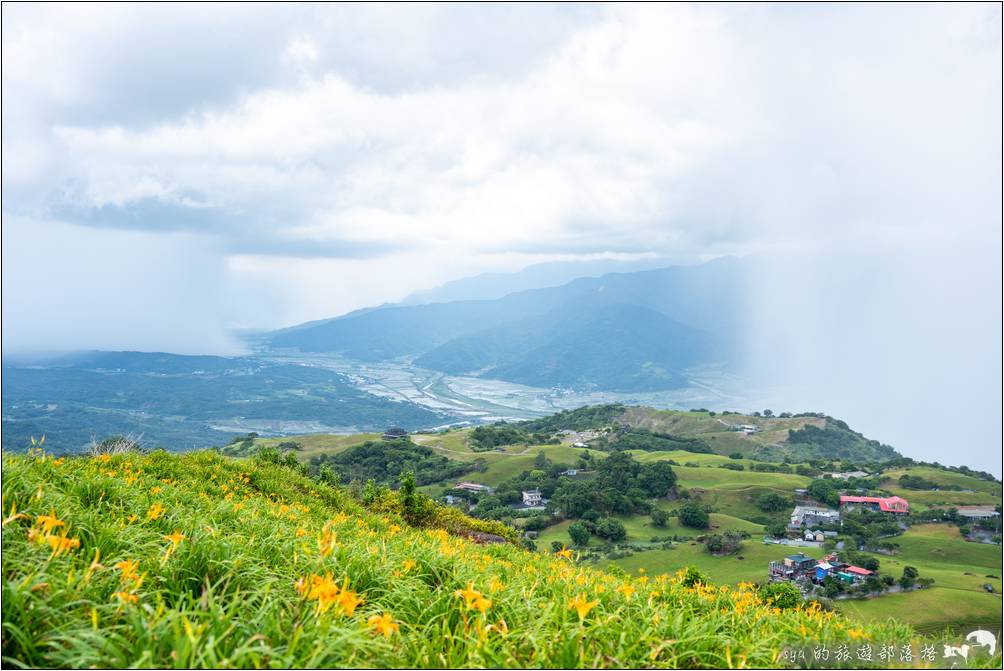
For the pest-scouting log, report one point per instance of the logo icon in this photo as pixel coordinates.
(961, 651)
(981, 638)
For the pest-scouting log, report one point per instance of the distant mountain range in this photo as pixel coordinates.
(489, 286)
(637, 331)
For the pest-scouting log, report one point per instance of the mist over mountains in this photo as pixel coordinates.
(636, 331)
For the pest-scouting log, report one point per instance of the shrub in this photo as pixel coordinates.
(692, 576)
(610, 529)
(781, 594)
(660, 518)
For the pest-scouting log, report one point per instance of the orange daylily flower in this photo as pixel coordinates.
(469, 595)
(582, 606)
(50, 521)
(176, 537)
(383, 624)
(61, 544)
(126, 597)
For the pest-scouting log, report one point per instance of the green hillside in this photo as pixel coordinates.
(958, 567)
(202, 560)
(719, 468)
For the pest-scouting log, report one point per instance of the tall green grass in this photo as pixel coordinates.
(241, 563)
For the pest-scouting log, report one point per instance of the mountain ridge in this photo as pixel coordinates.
(707, 297)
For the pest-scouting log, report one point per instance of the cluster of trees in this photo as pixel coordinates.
(591, 524)
(869, 528)
(772, 502)
(836, 440)
(825, 490)
(770, 467)
(726, 543)
(580, 419)
(621, 485)
(493, 436)
(384, 462)
(774, 505)
(694, 515)
(907, 481)
(651, 441)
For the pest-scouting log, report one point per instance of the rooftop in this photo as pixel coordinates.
(891, 504)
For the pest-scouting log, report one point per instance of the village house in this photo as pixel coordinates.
(848, 475)
(891, 504)
(793, 567)
(532, 500)
(800, 567)
(977, 512)
(813, 516)
(395, 433)
(473, 487)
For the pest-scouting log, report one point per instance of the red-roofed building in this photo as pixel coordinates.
(892, 504)
(857, 570)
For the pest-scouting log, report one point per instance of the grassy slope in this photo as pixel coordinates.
(983, 492)
(225, 591)
(959, 570)
(321, 443)
(712, 429)
(732, 495)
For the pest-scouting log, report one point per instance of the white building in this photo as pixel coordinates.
(848, 475)
(533, 498)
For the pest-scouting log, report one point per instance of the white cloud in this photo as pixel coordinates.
(271, 164)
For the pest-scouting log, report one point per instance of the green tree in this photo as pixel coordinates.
(579, 533)
(657, 478)
(660, 518)
(693, 515)
(772, 502)
(776, 529)
(611, 529)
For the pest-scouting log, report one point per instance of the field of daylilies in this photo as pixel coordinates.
(201, 560)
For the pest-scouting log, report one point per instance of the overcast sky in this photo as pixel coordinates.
(170, 171)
